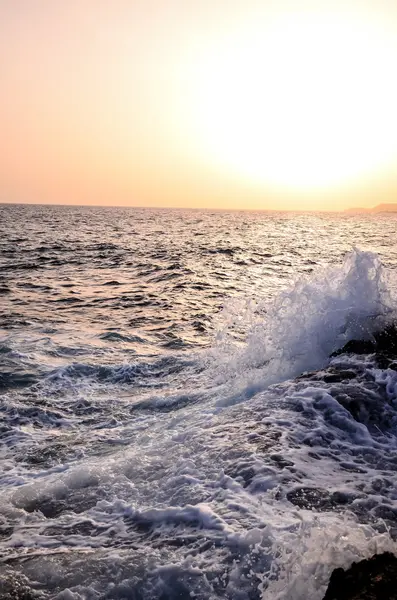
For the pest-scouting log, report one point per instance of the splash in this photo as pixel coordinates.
(301, 573)
(304, 324)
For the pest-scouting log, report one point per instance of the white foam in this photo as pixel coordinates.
(388, 378)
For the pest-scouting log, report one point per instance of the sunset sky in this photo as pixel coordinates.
(199, 103)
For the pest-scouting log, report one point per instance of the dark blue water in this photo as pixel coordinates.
(173, 424)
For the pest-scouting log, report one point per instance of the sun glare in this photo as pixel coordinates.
(307, 102)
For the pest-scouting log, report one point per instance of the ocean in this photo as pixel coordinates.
(183, 411)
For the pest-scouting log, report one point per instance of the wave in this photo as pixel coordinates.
(123, 373)
(114, 336)
(299, 330)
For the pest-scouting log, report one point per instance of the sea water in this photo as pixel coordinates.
(176, 421)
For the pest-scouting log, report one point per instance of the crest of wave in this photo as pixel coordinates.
(305, 323)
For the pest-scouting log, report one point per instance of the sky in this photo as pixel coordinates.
(283, 104)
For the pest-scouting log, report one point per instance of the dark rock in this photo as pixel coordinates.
(383, 344)
(334, 376)
(310, 498)
(371, 579)
(357, 347)
(318, 499)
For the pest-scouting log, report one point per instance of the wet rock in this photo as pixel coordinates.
(335, 376)
(357, 347)
(331, 374)
(310, 498)
(383, 344)
(371, 579)
(319, 499)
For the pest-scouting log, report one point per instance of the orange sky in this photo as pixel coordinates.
(210, 103)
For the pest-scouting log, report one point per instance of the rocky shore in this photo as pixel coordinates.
(371, 579)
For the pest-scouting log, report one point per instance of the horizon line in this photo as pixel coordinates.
(196, 208)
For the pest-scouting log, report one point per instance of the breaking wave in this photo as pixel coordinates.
(305, 324)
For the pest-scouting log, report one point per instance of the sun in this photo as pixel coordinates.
(304, 102)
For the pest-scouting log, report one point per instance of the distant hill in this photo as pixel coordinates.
(385, 208)
(380, 208)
